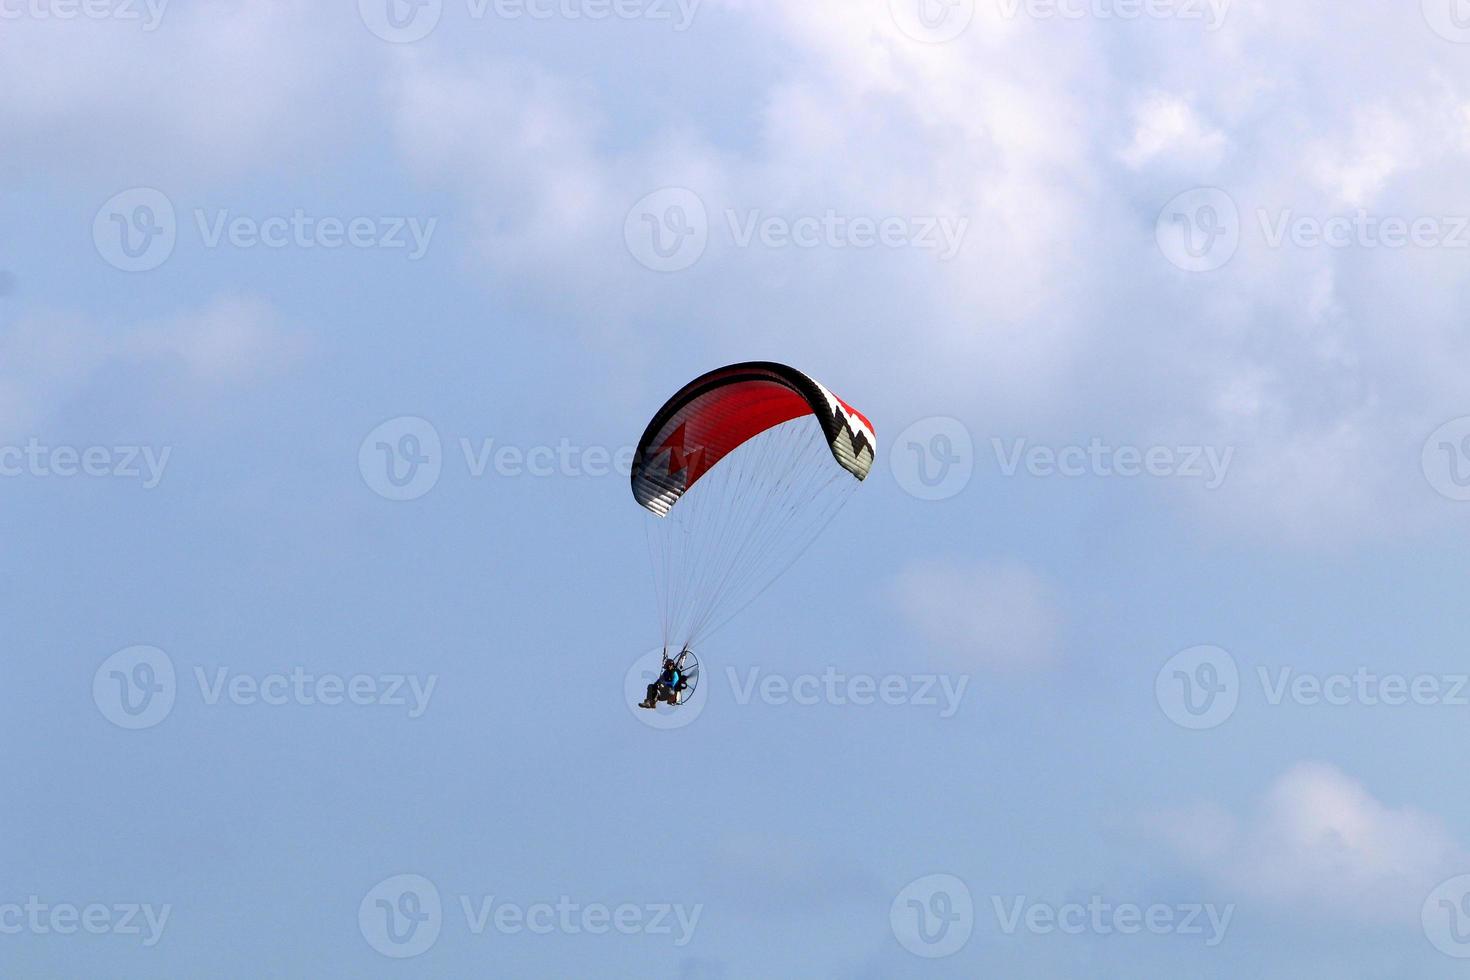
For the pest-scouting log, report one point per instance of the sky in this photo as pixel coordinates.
(327, 330)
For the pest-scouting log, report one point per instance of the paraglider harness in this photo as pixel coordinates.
(671, 685)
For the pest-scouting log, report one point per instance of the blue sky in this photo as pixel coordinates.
(1158, 310)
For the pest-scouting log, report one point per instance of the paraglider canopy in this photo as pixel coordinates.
(714, 414)
(741, 470)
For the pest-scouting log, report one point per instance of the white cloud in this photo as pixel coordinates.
(45, 359)
(546, 208)
(868, 124)
(992, 615)
(49, 359)
(212, 87)
(1058, 142)
(1167, 125)
(233, 340)
(1321, 844)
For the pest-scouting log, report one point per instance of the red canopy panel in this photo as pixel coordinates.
(720, 411)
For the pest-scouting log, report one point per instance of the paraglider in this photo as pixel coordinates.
(740, 472)
(676, 683)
